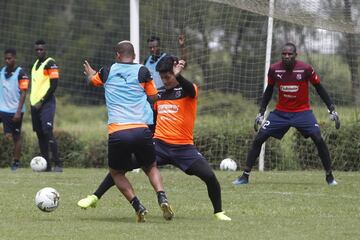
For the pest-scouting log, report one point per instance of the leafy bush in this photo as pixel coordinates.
(343, 144)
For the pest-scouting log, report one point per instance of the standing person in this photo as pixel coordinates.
(174, 140)
(292, 78)
(13, 86)
(150, 62)
(127, 87)
(156, 55)
(44, 80)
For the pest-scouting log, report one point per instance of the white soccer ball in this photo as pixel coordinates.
(47, 199)
(228, 165)
(38, 164)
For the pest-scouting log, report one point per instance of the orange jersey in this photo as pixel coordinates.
(176, 113)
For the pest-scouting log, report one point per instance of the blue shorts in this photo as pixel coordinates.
(43, 119)
(181, 156)
(278, 123)
(124, 143)
(9, 125)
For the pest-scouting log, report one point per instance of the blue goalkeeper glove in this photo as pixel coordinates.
(334, 116)
(258, 121)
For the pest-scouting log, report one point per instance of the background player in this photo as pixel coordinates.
(44, 81)
(13, 86)
(292, 78)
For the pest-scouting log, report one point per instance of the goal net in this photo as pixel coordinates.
(225, 51)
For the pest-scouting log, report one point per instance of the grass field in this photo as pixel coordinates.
(275, 205)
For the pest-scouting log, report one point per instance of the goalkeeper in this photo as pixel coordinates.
(292, 78)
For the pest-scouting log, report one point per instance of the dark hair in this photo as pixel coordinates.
(166, 64)
(40, 42)
(125, 47)
(290, 44)
(11, 51)
(153, 38)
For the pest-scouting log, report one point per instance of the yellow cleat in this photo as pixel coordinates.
(221, 216)
(140, 214)
(89, 201)
(168, 213)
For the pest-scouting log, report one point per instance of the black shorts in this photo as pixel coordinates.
(9, 126)
(43, 119)
(181, 156)
(122, 144)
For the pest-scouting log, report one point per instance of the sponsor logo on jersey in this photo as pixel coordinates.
(289, 88)
(168, 108)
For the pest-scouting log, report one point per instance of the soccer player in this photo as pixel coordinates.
(156, 55)
(44, 80)
(13, 86)
(127, 86)
(292, 78)
(150, 62)
(174, 141)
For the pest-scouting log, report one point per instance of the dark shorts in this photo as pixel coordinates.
(9, 126)
(122, 144)
(181, 156)
(43, 119)
(278, 123)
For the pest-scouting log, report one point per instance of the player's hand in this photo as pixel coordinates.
(178, 67)
(181, 40)
(16, 117)
(334, 116)
(38, 105)
(258, 121)
(88, 70)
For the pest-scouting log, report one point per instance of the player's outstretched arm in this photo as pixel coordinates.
(334, 116)
(264, 102)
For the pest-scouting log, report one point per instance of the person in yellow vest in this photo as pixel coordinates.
(44, 80)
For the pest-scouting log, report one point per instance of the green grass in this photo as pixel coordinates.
(275, 205)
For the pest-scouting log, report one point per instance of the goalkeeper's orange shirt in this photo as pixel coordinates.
(176, 113)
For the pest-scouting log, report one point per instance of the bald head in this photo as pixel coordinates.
(125, 48)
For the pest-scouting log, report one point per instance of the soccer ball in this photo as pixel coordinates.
(38, 164)
(47, 199)
(228, 165)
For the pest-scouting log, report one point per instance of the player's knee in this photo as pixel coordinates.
(317, 138)
(259, 140)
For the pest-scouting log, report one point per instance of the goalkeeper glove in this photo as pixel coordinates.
(334, 116)
(258, 120)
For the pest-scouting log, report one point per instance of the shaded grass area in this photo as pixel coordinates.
(275, 205)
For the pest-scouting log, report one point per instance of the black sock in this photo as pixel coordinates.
(161, 196)
(246, 174)
(135, 203)
(107, 183)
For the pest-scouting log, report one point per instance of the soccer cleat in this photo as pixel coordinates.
(168, 213)
(58, 169)
(221, 216)
(89, 201)
(330, 180)
(15, 166)
(241, 180)
(140, 214)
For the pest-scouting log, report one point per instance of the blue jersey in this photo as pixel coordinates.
(10, 90)
(126, 99)
(151, 65)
